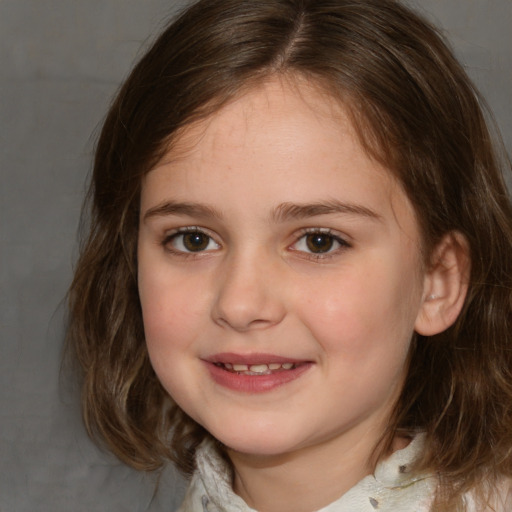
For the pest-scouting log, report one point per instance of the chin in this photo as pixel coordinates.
(257, 442)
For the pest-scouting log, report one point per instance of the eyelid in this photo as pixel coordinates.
(340, 238)
(171, 234)
(337, 236)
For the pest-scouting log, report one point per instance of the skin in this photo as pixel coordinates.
(257, 287)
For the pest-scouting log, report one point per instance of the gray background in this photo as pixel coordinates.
(60, 63)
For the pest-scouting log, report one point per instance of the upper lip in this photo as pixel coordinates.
(250, 359)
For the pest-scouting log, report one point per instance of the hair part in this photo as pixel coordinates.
(414, 110)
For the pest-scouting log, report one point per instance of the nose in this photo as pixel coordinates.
(249, 294)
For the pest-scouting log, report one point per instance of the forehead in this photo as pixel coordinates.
(283, 141)
(269, 99)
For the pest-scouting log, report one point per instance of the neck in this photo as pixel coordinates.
(307, 479)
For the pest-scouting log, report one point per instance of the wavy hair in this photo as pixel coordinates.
(415, 110)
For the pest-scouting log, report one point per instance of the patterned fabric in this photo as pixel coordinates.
(391, 488)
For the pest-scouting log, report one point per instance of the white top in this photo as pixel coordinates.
(390, 489)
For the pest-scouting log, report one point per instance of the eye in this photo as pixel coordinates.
(319, 242)
(190, 240)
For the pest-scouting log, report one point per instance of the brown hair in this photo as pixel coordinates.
(415, 110)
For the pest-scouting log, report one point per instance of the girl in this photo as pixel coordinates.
(297, 283)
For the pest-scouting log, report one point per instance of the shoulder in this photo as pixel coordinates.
(500, 499)
(210, 488)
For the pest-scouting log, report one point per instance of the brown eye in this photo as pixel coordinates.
(319, 242)
(188, 241)
(194, 242)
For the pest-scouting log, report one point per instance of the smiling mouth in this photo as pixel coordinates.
(255, 373)
(257, 369)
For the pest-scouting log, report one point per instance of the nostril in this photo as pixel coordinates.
(247, 297)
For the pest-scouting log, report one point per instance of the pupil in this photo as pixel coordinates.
(195, 241)
(319, 242)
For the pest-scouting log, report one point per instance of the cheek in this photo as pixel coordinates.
(368, 315)
(169, 317)
(170, 310)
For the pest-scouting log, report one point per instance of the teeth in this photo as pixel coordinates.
(257, 369)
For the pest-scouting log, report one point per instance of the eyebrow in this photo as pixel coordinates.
(292, 211)
(282, 213)
(185, 209)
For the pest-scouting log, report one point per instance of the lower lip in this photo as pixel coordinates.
(255, 383)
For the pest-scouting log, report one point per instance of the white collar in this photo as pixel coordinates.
(392, 488)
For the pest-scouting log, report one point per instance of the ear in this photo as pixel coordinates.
(445, 285)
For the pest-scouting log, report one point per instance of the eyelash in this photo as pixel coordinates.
(181, 232)
(330, 253)
(332, 239)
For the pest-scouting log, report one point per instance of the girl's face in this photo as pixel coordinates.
(280, 276)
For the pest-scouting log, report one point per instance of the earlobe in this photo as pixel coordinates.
(445, 285)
